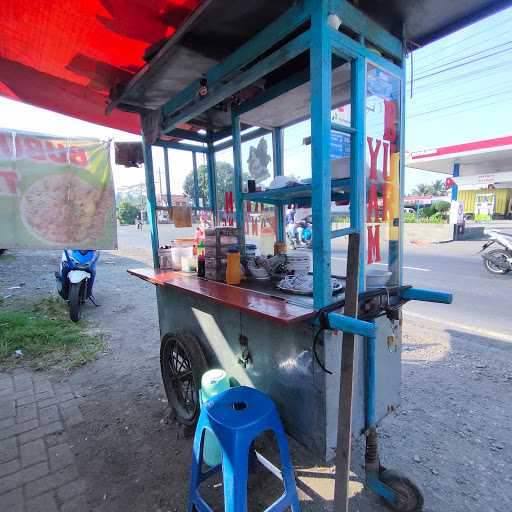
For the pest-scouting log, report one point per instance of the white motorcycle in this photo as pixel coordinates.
(498, 261)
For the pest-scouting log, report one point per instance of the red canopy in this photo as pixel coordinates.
(65, 55)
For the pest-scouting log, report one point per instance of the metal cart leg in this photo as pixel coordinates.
(399, 491)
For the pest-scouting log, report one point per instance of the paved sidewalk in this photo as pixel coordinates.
(37, 465)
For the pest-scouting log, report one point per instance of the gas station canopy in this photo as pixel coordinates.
(492, 156)
(74, 57)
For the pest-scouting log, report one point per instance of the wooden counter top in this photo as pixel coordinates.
(250, 301)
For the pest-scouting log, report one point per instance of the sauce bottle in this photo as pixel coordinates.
(233, 266)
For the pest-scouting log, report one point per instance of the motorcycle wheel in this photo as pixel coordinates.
(75, 300)
(492, 267)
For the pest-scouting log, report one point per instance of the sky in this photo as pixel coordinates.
(461, 91)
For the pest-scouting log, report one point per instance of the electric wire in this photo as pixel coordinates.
(462, 58)
(419, 58)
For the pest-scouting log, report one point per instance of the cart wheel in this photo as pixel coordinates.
(183, 363)
(409, 497)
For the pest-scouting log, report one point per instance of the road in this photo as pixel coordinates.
(481, 300)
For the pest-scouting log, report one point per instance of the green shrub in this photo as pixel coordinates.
(127, 213)
(441, 206)
(427, 211)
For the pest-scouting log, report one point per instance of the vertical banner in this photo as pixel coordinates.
(55, 193)
(383, 170)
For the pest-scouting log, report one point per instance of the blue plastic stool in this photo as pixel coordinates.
(237, 417)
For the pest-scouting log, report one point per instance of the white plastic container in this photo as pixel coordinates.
(188, 263)
(177, 253)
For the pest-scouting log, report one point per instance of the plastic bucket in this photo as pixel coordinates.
(213, 382)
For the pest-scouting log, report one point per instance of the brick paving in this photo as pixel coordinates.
(37, 465)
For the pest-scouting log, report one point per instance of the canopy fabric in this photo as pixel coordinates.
(65, 55)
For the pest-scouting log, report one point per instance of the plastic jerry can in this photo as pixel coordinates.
(213, 382)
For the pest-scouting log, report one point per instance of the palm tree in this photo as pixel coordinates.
(438, 188)
(421, 190)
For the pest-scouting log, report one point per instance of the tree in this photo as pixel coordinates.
(224, 177)
(436, 188)
(421, 190)
(127, 213)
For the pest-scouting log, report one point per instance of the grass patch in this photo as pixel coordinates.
(46, 336)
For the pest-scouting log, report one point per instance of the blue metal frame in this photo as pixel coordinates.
(357, 159)
(367, 28)
(150, 190)
(212, 185)
(321, 87)
(167, 177)
(196, 180)
(455, 188)
(277, 146)
(237, 164)
(324, 43)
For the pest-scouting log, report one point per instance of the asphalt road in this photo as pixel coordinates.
(481, 300)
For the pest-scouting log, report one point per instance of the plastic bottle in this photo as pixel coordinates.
(201, 270)
(233, 275)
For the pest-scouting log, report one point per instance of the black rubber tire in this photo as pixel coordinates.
(75, 301)
(492, 268)
(409, 495)
(2, 251)
(182, 362)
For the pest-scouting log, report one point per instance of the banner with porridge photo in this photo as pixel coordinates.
(55, 193)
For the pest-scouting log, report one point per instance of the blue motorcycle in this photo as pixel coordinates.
(76, 279)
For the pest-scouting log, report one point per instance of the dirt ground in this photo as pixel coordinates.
(452, 434)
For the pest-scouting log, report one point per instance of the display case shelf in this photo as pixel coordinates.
(280, 196)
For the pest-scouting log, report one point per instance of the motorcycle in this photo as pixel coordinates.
(75, 279)
(498, 261)
(302, 235)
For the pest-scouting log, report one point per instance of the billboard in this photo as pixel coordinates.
(55, 193)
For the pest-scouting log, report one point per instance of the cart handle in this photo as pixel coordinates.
(350, 324)
(427, 295)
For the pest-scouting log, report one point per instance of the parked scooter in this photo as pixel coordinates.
(498, 261)
(302, 236)
(76, 279)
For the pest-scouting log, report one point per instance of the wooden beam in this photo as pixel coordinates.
(344, 437)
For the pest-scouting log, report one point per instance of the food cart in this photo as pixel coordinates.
(233, 73)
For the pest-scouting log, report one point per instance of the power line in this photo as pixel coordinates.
(465, 57)
(506, 43)
(421, 77)
(477, 44)
(459, 104)
(477, 74)
(458, 43)
(474, 109)
(458, 95)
